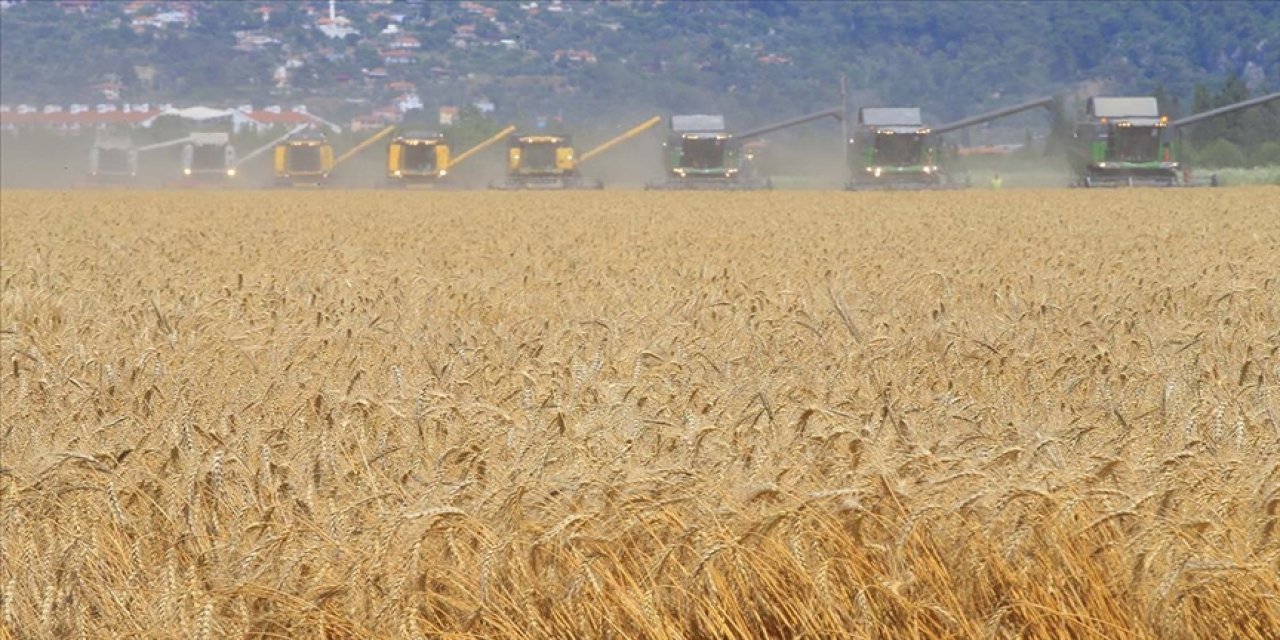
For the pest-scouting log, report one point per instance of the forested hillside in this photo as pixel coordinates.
(606, 61)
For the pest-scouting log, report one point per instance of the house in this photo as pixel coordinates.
(274, 116)
(397, 56)
(407, 102)
(406, 42)
(366, 123)
(253, 41)
(137, 5)
(448, 115)
(402, 86)
(77, 117)
(581, 56)
(339, 27)
(484, 105)
(774, 59)
(75, 6)
(376, 72)
(110, 90)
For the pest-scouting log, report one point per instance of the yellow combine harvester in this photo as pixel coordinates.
(549, 161)
(423, 159)
(307, 158)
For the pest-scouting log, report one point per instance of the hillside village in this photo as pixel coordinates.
(365, 64)
(378, 58)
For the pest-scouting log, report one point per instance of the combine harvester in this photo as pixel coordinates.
(113, 160)
(419, 159)
(894, 149)
(209, 158)
(549, 161)
(1125, 142)
(306, 159)
(700, 154)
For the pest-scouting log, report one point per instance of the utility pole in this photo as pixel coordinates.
(844, 122)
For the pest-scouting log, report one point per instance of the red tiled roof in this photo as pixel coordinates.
(84, 118)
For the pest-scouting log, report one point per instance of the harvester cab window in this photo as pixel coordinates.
(113, 160)
(702, 153)
(420, 158)
(304, 158)
(206, 157)
(899, 149)
(538, 156)
(1134, 144)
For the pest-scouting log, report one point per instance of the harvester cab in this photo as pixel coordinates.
(419, 158)
(208, 157)
(542, 161)
(894, 149)
(1123, 142)
(550, 161)
(700, 153)
(304, 158)
(113, 158)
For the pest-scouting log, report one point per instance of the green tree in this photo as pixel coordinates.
(1267, 155)
(1220, 154)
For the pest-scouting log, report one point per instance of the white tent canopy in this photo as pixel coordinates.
(199, 114)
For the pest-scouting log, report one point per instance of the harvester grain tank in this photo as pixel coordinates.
(113, 159)
(894, 149)
(307, 158)
(550, 161)
(418, 158)
(700, 153)
(1124, 141)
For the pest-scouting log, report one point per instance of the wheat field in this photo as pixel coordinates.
(636, 415)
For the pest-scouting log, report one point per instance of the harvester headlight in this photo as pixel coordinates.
(231, 173)
(397, 173)
(443, 173)
(730, 171)
(680, 172)
(1102, 165)
(928, 170)
(186, 172)
(877, 172)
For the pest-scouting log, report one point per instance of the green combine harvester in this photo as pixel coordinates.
(700, 153)
(893, 149)
(1125, 142)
